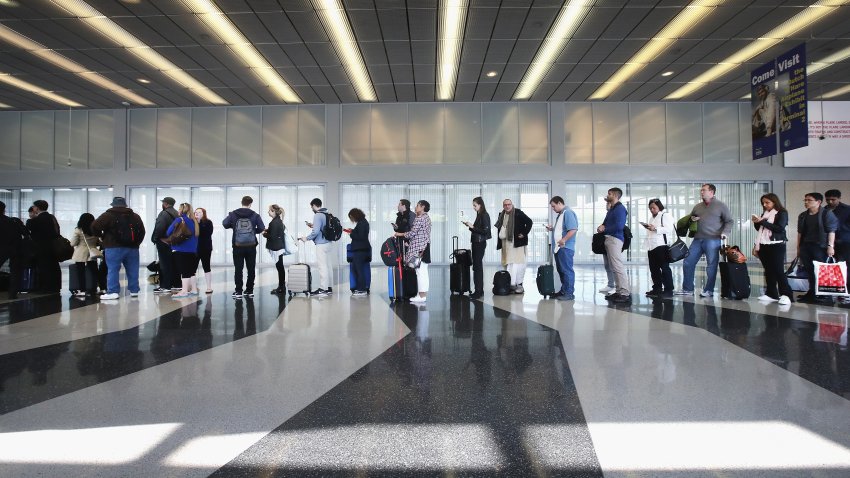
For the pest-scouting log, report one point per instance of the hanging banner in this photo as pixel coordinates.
(764, 106)
(793, 116)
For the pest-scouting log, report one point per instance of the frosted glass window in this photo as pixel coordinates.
(172, 138)
(312, 135)
(534, 202)
(280, 135)
(389, 134)
(209, 130)
(68, 204)
(533, 133)
(101, 136)
(500, 133)
(213, 200)
(37, 140)
(244, 137)
(435, 194)
(578, 133)
(458, 199)
(647, 133)
(637, 203)
(28, 196)
(10, 140)
(463, 133)
(610, 133)
(684, 133)
(579, 197)
(99, 199)
(720, 133)
(143, 138)
(425, 131)
(355, 125)
(144, 202)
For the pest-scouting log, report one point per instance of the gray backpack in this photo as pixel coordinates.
(243, 233)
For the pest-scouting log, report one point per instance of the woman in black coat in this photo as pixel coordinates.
(276, 245)
(770, 249)
(205, 245)
(480, 233)
(361, 252)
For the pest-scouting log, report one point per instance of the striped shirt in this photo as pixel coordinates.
(419, 235)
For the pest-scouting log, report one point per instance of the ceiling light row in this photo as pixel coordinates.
(334, 19)
(19, 83)
(450, 28)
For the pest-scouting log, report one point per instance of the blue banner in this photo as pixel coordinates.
(793, 117)
(765, 108)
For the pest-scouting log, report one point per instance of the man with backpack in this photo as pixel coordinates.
(614, 229)
(246, 224)
(122, 231)
(326, 229)
(167, 272)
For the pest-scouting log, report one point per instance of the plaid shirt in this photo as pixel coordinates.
(419, 235)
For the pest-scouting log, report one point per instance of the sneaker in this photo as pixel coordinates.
(683, 292)
(175, 289)
(319, 292)
(653, 293)
(358, 293)
(237, 294)
(418, 299)
(706, 293)
(622, 298)
(112, 296)
(160, 290)
(767, 298)
(249, 293)
(606, 289)
(566, 297)
(519, 289)
(784, 300)
(556, 295)
(80, 293)
(181, 296)
(194, 293)
(134, 294)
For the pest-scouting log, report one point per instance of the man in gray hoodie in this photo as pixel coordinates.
(168, 276)
(714, 223)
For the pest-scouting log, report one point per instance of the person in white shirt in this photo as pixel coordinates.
(660, 234)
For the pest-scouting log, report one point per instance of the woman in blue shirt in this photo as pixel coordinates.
(185, 252)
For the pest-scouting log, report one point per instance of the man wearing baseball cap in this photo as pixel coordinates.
(168, 278)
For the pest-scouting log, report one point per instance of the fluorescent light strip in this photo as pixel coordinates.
(217, 21)
(832, 94)
(4, 105)
(562, 30)
(122, 37)
(828, 61)
(796, 23)
(450, 38)
(18, 83)
(689, 17)
(20, 41)
(332, 15)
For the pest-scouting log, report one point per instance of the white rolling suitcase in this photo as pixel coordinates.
(298, 277)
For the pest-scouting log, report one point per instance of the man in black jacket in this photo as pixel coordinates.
(44, 229)
(168, 275)
(12, 231)
(513, 226)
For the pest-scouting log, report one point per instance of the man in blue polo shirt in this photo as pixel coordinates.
(563, 238)
(612, 227)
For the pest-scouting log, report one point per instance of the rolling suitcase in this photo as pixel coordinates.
(298, 278)
(401, 279)
(459, 269)
(734, 279)
(28, 280)
(546, 277)
(74, 279)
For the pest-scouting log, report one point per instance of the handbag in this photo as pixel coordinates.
(62, 249)
(830, 277)
(798, 278)
(290, 245)
(597, 244)
(94, 253)
(179, 235)
(678, 250)
(734, 254)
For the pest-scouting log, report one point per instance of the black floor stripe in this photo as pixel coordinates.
(36, 375)
(466, 365)
(816, 351)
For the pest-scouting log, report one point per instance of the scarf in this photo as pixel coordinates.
(509, 227)
(766, 235)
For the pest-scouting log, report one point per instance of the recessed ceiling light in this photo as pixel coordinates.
(143, 81)
(491, 74)
(667, 73)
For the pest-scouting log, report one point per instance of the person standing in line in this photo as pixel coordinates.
(479, 235)
(842, 235)
(121, 231)
(714, 223)
(246, 224)
(323, 247)
(563, 240)
(816, 227)
(186, 253)
(168, 275)
(419, 248)
(513, 226)
(12, 232)
(660, 232)
(85, 243)
(276, 245)
(612, 227)
(404, 217)
(205, 245)
(770, 249)
(361, 252)
(611, 285)
(44, 229)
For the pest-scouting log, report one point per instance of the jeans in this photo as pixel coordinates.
(711, 249)
(659, 270)
(478, 249)
(360, 269)
(564, 264)
(115, 258)
(168, 276)
(244, 257)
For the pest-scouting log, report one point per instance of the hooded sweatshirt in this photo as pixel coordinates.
(256, 221)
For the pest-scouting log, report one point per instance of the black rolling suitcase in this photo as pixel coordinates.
(734, 279)
(546, 277)
(401, 279)
(74, 279)
(459, 269)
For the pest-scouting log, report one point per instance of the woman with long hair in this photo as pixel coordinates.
(276, 245)
(205, 245)
(660, 234)
(361, 252)
(85, 255)
(480, 233)
(185, 253)
(770, 249)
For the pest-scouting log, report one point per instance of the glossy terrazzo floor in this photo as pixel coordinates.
(342, 386)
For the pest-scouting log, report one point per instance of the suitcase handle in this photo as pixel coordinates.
(455, 245)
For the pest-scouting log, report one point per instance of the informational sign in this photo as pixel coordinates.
(829, 137)
(791, 78)
(765, 105)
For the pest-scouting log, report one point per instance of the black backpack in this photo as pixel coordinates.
(502, 283)
(627, 237)
(126, 230)
(390, 252)
(333, 228)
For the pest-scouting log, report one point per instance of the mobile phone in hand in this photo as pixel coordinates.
(644, 225)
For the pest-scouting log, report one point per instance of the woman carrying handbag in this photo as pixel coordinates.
(770, 249)
(85, 256)
(660, 231)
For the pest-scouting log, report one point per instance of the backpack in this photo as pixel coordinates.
(502, 283)
(126, 230)
(332, 230)
(390, 252)
(243, 233)
(627, 237)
